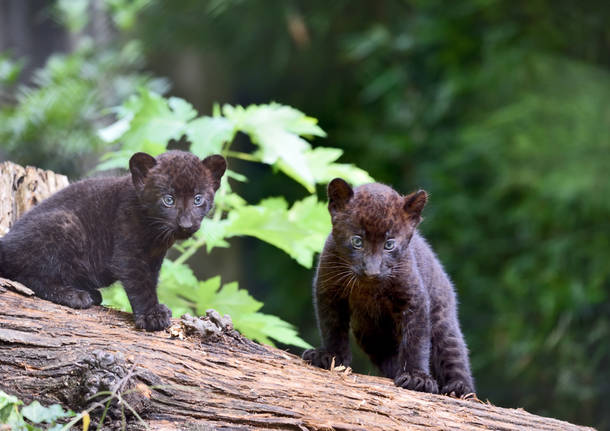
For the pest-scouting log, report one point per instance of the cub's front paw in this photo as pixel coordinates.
(155, 319)
(457, 388)
(417, 381)
(323, 359)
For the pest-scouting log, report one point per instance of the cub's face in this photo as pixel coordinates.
(372, 226)
(176, 190)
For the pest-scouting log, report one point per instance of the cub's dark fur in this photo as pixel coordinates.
(378, 276)
(98, 231)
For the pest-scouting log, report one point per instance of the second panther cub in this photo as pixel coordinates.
(378, 276)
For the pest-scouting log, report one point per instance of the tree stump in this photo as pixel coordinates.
(22, 188)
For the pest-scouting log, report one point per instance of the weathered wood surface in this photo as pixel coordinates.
(22, 188)
(220, 381)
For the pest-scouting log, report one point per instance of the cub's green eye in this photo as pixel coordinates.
(168, 200)
(389, 244)
(198, 200)
(357, 242)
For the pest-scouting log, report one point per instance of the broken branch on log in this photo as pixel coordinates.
(22, 188)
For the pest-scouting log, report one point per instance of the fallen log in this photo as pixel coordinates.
(200, 374)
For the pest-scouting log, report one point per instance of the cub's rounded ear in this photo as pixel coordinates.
(217, 165)
(414, 204)
(339, 194)
(139, 165)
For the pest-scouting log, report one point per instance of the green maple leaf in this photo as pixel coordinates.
(276, 130)
(299, 231)
(146, 122)
(321, 164)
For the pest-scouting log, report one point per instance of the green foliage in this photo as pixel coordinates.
(37, 413)
(52, 109)
(299, 231)
(275, 129)
(74, 13)
(53, 120)
(26, 418)
(9, 71)
(538, 145)
(147, 121)
(9, 410)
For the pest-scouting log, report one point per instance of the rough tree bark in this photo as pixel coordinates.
(201, 374)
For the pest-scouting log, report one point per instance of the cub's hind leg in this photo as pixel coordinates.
(63, 295)
(49, 253)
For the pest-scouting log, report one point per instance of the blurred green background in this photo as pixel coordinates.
(499, 109)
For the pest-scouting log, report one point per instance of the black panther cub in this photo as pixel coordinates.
(98, 231)
(378, 276)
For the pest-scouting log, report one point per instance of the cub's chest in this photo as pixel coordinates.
(375, 304)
